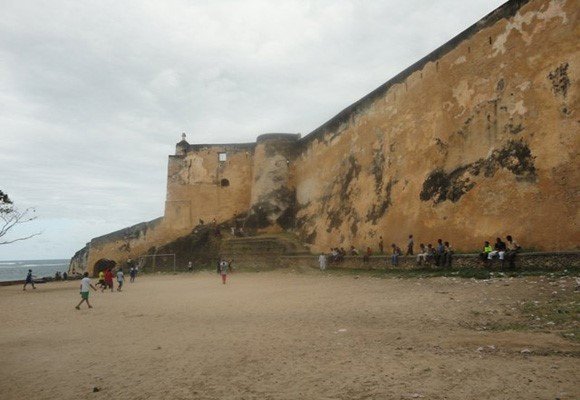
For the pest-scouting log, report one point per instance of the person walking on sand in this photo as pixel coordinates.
(132, 274)
(29, 280)
(109, 278)
(120, 279)
(85, 286)
(224, 270)
(322, 261)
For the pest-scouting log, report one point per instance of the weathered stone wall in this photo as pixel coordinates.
(121, 245)
(524, 261)
(477, 140)
(272, 187)
(200, 186)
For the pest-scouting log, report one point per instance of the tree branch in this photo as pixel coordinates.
(22, 238)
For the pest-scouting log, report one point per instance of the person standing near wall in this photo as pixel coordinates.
(447, 255)
(224, 266)
(395, 255)
(322, 261)
(381, 245)
(410, 244)
(512, 250)
(439, 250)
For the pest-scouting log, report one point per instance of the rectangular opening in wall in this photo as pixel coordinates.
(222, 156)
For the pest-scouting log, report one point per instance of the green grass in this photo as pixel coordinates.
(468, 273)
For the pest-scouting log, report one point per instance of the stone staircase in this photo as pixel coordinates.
(263, 252)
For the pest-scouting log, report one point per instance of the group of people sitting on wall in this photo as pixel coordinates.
(502, 250)
(440, 255)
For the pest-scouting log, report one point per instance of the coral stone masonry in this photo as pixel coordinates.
(477, 140)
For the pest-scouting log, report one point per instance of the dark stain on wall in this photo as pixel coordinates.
(379, 209)
(200, 246)
(311, 238)
(258, 216)
(440, 186)
(500, 85)
(560, 80)
(305, 224)
(277, 206)
(125, 247)
(513, 128)
(441, 145)
(343, 184)
(377, 169)
(516, 157)
(287, 219)
(352, 173)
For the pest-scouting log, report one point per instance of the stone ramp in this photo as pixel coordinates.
(262, 252)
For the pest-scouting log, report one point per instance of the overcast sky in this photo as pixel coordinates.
(94, 95)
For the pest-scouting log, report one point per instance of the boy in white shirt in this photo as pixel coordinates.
(85, 286)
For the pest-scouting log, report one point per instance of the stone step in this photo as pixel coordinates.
(266, 246)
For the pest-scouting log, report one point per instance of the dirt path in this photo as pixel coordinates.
(284, 335)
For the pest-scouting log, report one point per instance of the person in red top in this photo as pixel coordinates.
(109, 279)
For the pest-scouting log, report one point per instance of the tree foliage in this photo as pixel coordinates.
(10, 217)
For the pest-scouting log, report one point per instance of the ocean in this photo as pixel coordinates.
(17, 269)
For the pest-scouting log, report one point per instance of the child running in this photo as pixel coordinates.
(29, 280)
(109, 278)
(85, 286)
(101, 281)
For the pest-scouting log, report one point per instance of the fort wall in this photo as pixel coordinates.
(478, 139)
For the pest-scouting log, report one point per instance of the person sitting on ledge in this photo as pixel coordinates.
(498, 250)
(353, 251)
(430, 253)
(333, 255)
(512, 250)
(422, 255)
(485, 253)
(367, 255)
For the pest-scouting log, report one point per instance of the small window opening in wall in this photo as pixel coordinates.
(222, 156)
(224, 183)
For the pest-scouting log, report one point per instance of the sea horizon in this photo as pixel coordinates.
(11, 270)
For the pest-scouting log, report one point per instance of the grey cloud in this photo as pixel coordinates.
(95, 94)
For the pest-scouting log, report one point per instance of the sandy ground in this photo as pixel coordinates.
(284, 335)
